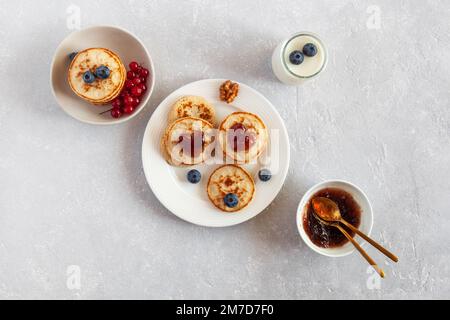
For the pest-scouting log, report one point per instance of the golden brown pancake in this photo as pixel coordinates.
(188, 141)
(231, 179)
(243, 136)
(101, 91)
(193, 106)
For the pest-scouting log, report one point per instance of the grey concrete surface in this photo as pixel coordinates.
(75, 195)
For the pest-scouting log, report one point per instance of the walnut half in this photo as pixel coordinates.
(229, 91)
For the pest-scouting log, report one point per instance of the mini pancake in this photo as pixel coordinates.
(231, 179)
(188, 141)
(101, 91)
(243, 137)
(193, 106)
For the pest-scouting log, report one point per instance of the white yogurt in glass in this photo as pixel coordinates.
(292, 74)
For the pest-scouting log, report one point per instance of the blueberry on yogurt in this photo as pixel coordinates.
(296, 57)
(309, 50)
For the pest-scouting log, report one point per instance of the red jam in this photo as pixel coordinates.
(240, 138)
(328, 236)
(193, 143)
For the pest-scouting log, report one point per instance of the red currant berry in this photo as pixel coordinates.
(129, 84)
(117, 103)
(131, 75)
(128, 109)
(144, 73)
(128, 100)
(123, 94)
(137, 81)
(134, 66)
(137, 92)
(143, 87)
(116, 113)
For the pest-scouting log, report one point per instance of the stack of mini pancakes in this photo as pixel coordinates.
(100, 91)
(190, 139)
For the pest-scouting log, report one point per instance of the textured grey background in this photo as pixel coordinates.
(75, 194)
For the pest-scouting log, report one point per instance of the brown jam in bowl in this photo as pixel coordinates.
(329, 236)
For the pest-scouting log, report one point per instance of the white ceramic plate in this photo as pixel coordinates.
(366, 216)
(190, 202)
(122, 42)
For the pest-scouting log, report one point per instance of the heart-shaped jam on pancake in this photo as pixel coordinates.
(192, 143)
(241, 138)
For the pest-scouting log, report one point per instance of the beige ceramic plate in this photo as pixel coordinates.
(122, 42)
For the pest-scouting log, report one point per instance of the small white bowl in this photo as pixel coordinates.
(122, 42)
(366, 216)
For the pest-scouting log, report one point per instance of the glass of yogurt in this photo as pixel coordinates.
(299, 58)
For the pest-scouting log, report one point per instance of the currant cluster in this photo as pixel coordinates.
(134, 88)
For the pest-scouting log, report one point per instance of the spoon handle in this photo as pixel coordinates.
(361, 250)
(389, 254)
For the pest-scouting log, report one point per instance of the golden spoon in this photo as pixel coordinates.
(357, 246)
(328, 210)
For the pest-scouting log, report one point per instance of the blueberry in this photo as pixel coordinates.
(265, 175)
(309, 50)
(88, 77)
(231, 200)
(72, 55)
(296, 57)
(194, 176)
(102, 72)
